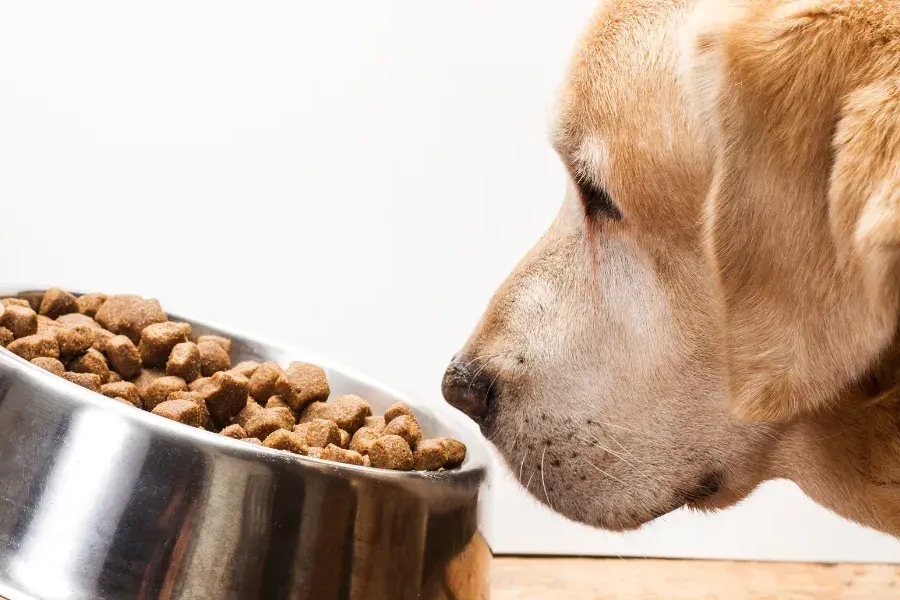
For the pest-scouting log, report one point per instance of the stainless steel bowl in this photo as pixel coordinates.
(98, 500)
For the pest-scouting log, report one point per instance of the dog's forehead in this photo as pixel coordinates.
(619, 75)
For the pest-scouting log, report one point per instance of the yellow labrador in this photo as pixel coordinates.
(717, 301)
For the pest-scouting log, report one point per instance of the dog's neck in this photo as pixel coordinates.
(848, 459)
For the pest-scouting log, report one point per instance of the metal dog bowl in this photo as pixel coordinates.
(102, 501)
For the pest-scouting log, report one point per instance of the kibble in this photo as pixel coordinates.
(246, 368)
(125, 348)
(391, 452)
(262, 382)
(49, 364)
(158, 340)
(406, 427)
(183, 411)
(85, 380)
(123, 356)
(184, 361)
(268, 421)
(226, 395)
(397, 410)
(122, 389)
(349, 412)
(321, 433)
(302, 383)
(21, 320)
(159, 391)
(222, 342)
(74, 340)
(129, 315)
(363, 439)
(213, 359)
(283, 439)
(34, 346)
(57, 302)
(235, 432)
(91, 361)
(89, 304)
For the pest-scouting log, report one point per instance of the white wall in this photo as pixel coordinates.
(353, 177)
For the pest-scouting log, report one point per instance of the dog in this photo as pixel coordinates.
(716, 302)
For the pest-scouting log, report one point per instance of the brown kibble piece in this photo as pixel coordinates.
(349, 412)
(58, 302)
(253, 441)
(320, 433)
(75, 319)
(122, 389)
(158, 340)
(226, 394)
(114, 377)
(367, 462)
(249, 411)
(315, 410)
(6, 336)
(21, 320)
(188, 395)
(33, 299)
(407, 428)
(213, 358)
(376, 423)
(145, 378)
(263, 423)
(282, 439)
(101, 339)
(123, 356)
(89, 304)
(246, 368)
(49, 364)
(456, 452)
(301, 429)
(345, 439)
(159, 391)
(129, 315)
(262, 382)
(397, 410)
(276, 402)
(184, 361)
(336, 454)
(363, 439)
(197, 385)
(183, 411)
(18, 302)
(391, 452)
(235, 432)
(222, 342)
(74, 340)
(91, 362)
(302, 383)
(48, 327)
(85, 380)
(34, 346)
(430, 455)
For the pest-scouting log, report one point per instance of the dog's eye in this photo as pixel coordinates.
(596, 201)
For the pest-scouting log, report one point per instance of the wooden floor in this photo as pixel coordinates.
(631, 579)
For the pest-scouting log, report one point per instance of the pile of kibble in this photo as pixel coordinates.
(125, 348)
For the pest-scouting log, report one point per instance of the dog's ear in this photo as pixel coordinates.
(802, 103)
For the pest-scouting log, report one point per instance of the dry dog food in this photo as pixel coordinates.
(125, 348)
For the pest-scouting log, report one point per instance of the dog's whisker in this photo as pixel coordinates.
(522, 464)
(637, 469)
(613, 477)
(528, 485)
(544, 483)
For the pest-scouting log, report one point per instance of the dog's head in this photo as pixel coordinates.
(724, 264)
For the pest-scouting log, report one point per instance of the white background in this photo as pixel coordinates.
(351, 177)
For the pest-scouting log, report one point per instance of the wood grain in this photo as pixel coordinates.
(634, 579)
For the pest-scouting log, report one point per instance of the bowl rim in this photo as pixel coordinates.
(477, 456)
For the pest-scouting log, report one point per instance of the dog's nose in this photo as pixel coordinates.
(467, 388)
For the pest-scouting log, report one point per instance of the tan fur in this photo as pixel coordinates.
(737, 324)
